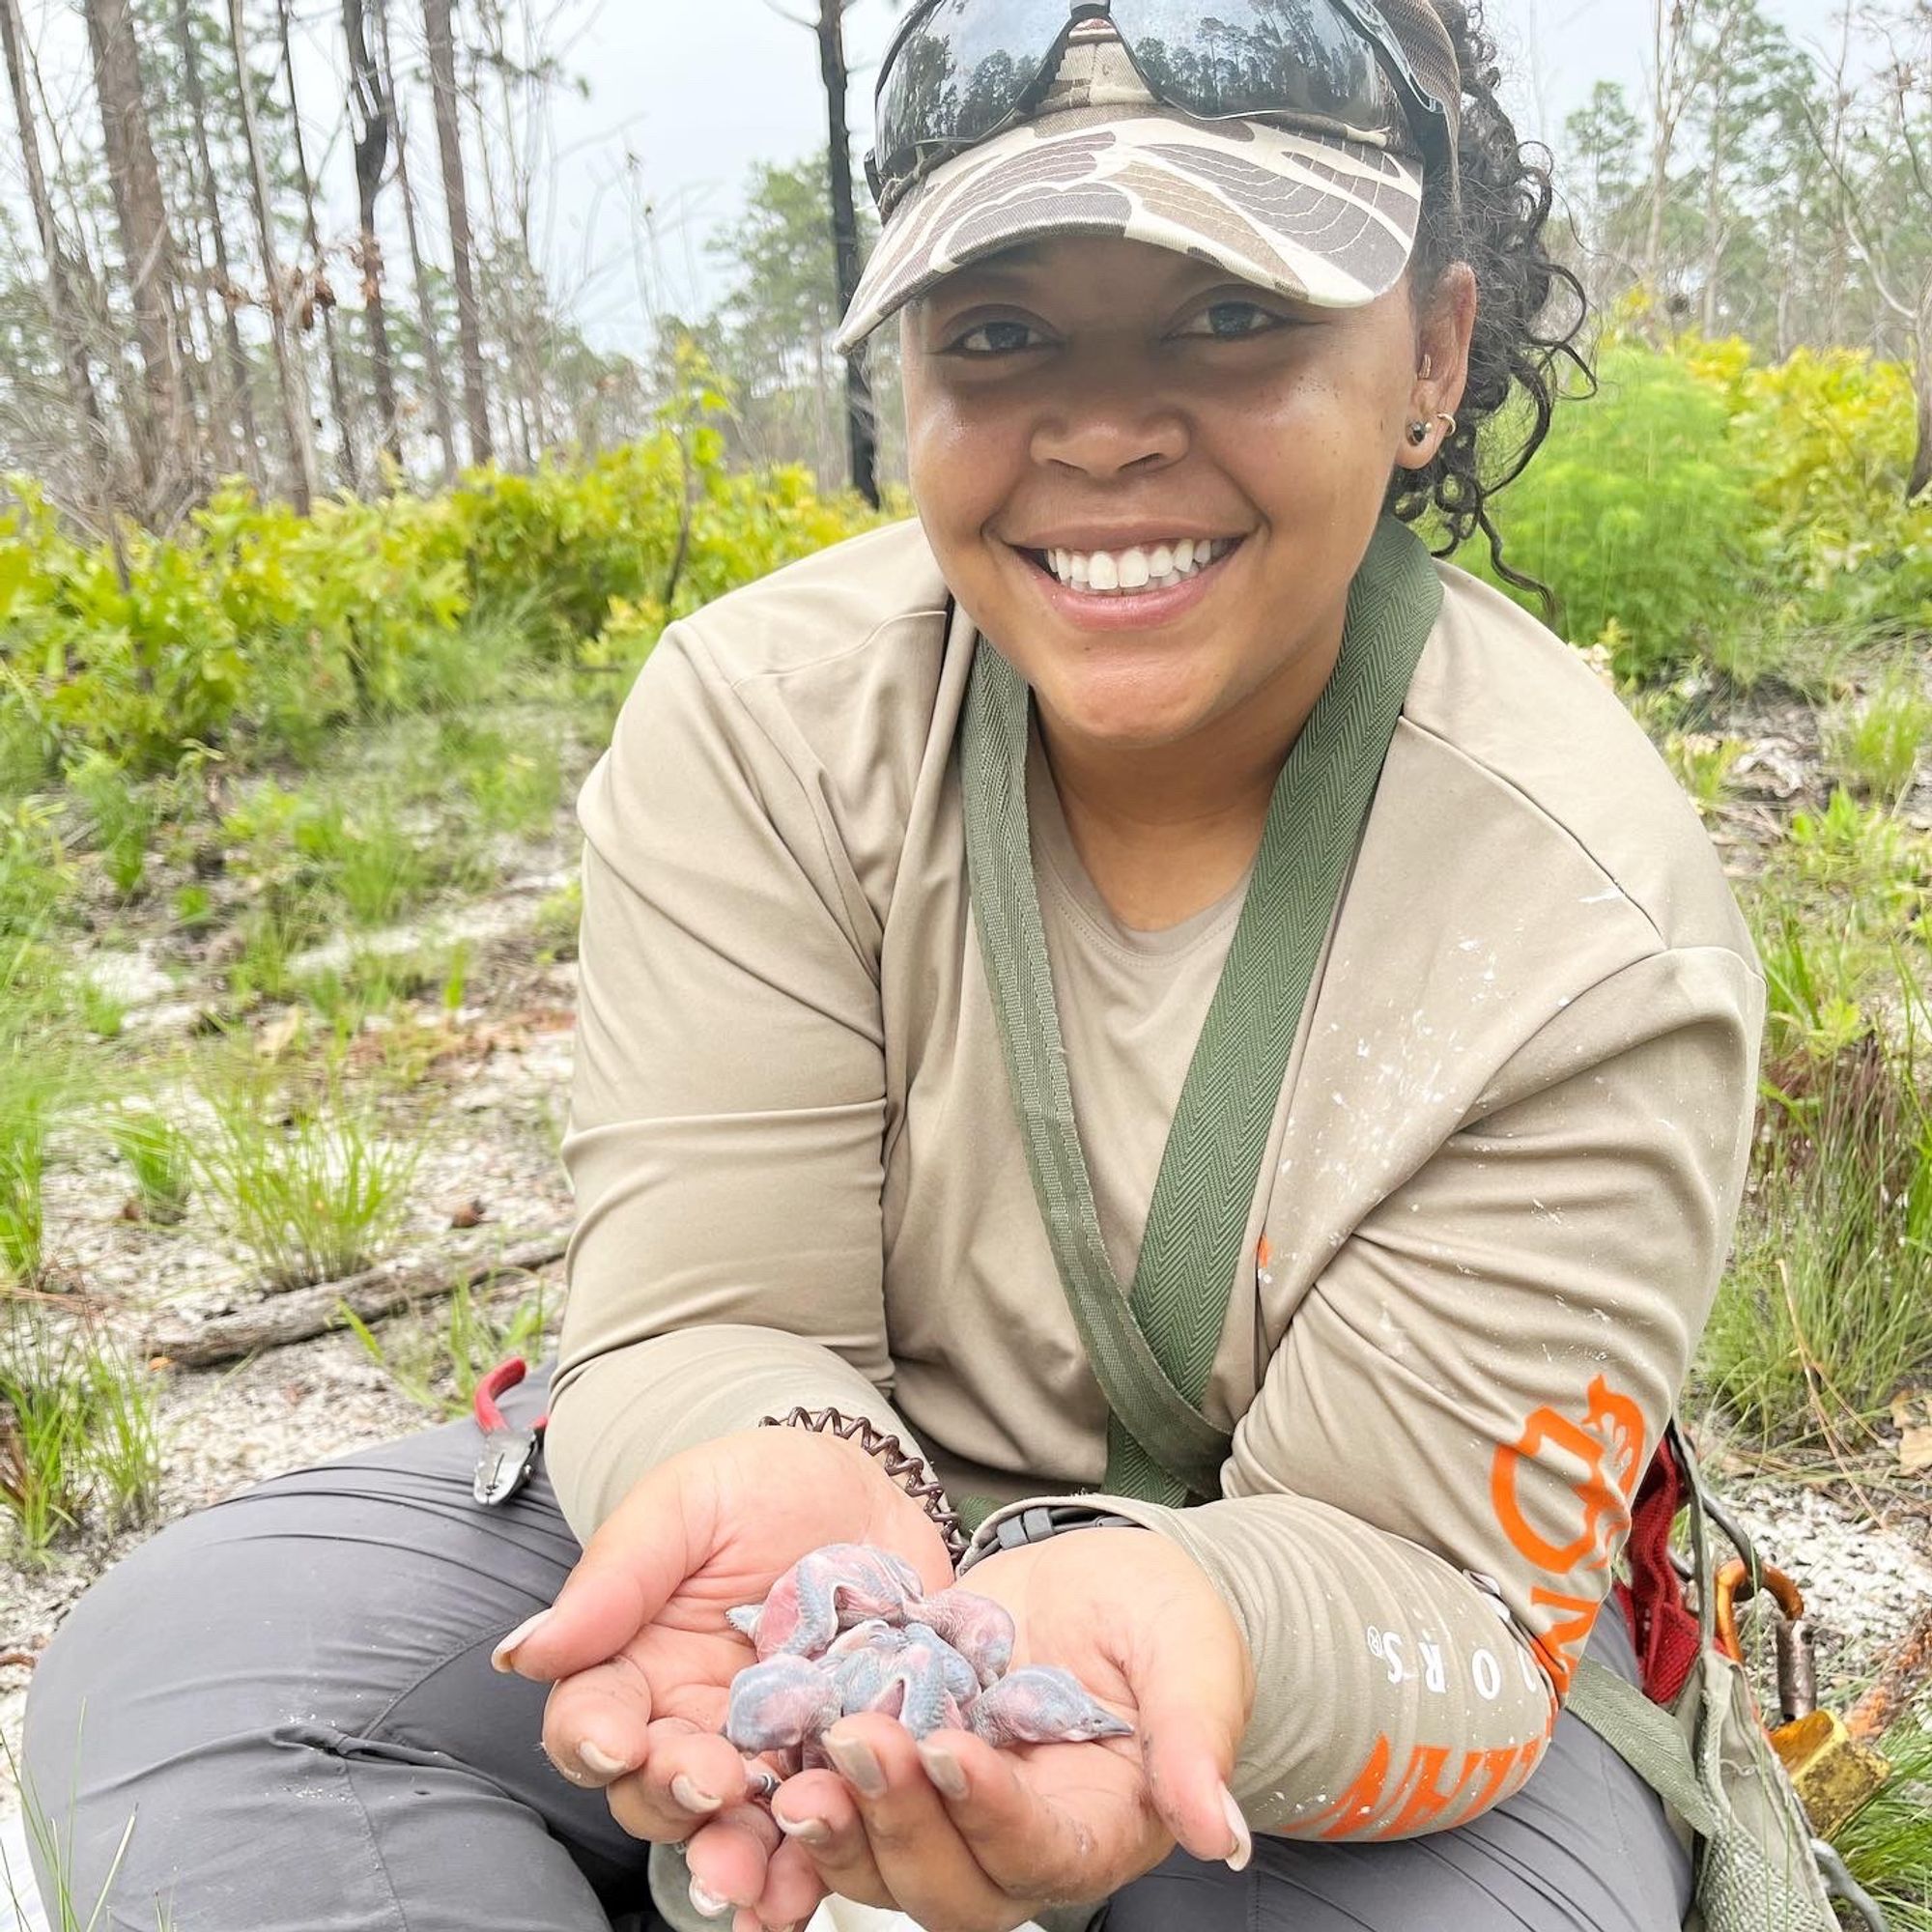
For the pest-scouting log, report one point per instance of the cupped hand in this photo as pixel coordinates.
(965, 1838)
(638, 1648)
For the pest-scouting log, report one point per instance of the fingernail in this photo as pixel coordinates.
(688, 1794)
(943, 1768)
(605, 1764)
(1244, 1844)
(861, 1769)
(807, 1830)
(499, 1658)
(707, 1904)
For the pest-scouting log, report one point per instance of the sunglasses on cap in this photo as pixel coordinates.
(958, 71)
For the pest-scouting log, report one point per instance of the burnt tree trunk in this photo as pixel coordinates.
(370, 98)
(147, 248)
(441, 411)
(440, 37)
(862, 432)
(291, 374)
(242, 399)
(62, 304)
(320, 301)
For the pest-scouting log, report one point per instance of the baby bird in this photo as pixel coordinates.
(862, 1660)
(780, 1705)
(825, 1592)
(978, 1629)
(1041, 1704)
(846, 1630)
(926, 1683)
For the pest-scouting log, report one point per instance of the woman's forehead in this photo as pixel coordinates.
(1071, 262)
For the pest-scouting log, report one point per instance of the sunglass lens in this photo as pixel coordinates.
(1258, 57)
(960, 73)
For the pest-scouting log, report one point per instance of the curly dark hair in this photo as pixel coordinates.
(1530, 307)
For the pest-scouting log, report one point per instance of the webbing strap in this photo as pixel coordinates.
(1645, 1736)
(1151, 1349)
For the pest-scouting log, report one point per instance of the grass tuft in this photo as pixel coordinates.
(157, 1157)
(1875, 742)
(436, 1359)
(307, 1186)
(76, 1424)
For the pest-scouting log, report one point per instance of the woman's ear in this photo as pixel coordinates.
(1448, 325)
(1443, 334)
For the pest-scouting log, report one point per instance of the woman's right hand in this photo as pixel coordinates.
(637, 1647)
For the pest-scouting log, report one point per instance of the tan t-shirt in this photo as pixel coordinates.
(1495, 1202)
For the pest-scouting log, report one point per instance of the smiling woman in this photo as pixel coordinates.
(1140, 1008)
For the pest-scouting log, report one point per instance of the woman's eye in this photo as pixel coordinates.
(1229, 321)
(997, 338)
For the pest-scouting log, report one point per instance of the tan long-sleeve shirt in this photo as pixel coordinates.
(1497, 1195)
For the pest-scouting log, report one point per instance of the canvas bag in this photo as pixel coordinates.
(1151, 1349)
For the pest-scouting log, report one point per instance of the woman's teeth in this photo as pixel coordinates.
(1125, 572)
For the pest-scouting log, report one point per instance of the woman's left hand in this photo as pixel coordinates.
(965, 1838)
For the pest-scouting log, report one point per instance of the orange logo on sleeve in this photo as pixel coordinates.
(1609, 1445)
(1588, 1517)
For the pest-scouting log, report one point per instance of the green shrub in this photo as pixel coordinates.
(261, 632)
(121, 818)
(1633, 512)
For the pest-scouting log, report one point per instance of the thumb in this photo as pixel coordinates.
(1193, 1688)
(632, 1565)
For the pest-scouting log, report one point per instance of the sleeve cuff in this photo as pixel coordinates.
(621, 1413)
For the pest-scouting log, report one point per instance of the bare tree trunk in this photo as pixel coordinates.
(321, 297)
(1715, 236)
(147, 246)
(512, 423)
(291, 376)
(63, 307)
(1922, 383)
(441, 411)
(440, 37)
(241, 399)
(370, 99)
(861, 419)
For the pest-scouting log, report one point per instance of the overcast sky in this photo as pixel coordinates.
(687, 93)
(681, 97)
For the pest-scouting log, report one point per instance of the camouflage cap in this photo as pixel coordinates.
(1323, 214)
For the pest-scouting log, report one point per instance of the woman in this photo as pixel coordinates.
(957, 824)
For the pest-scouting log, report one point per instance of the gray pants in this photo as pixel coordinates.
(291, 1695)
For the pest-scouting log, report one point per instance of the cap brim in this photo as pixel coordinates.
(1321, 217)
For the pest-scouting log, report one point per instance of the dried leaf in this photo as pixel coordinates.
(1915, 1450)
(278, 1036)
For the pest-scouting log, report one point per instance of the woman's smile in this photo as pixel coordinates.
(1127, 585)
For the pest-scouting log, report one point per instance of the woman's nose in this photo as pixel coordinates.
(1105, 433)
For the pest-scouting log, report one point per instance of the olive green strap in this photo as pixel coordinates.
(1152, 1350)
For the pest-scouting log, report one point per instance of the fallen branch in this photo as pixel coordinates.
(385, 1289)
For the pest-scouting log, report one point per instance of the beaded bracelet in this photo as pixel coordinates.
(912, 1475)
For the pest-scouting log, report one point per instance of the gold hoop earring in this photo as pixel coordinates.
(1450, 420)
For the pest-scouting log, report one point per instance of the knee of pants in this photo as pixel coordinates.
(301, 1665)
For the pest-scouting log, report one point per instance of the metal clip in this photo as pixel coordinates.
(1797, 1670)
(509, 1457)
